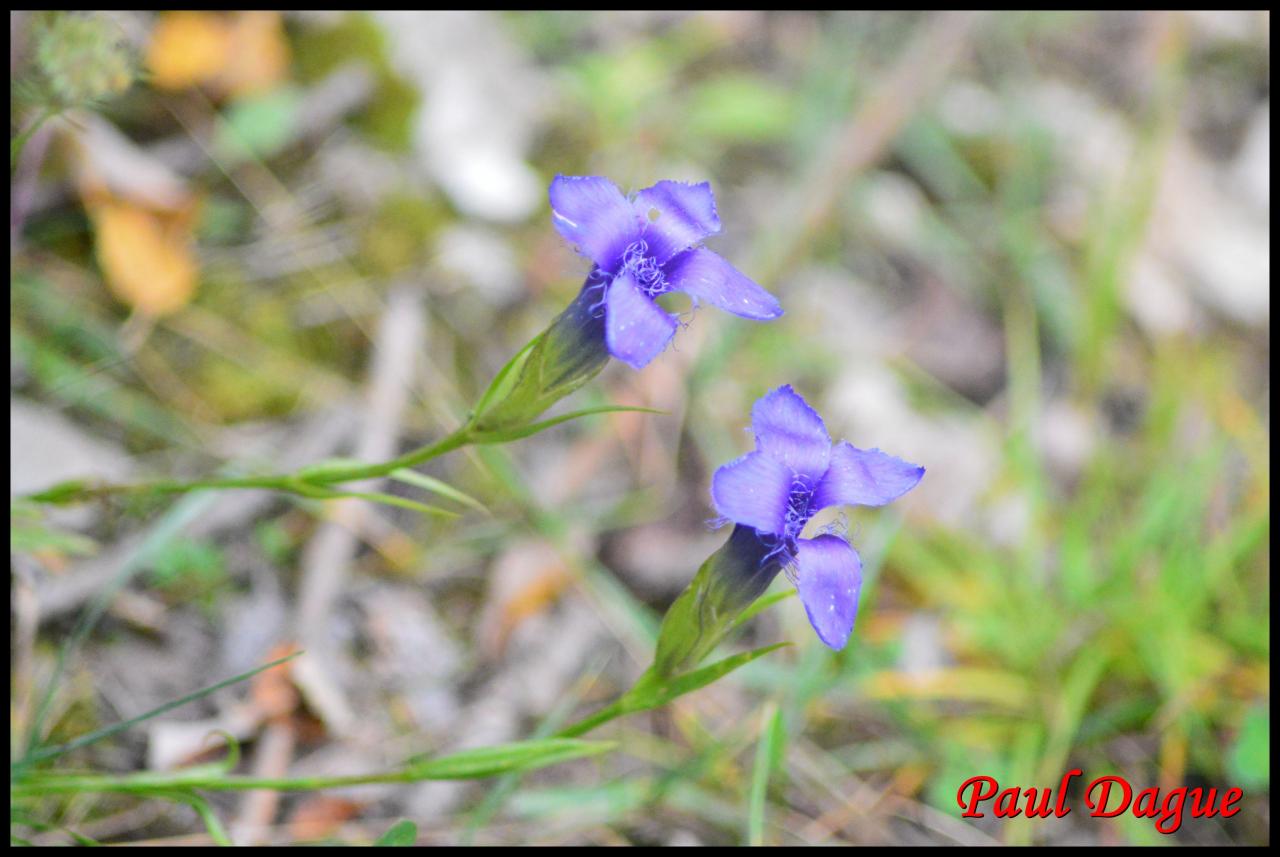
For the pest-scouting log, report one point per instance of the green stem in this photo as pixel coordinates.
(215, 783)
(298, 483)
(466, 765)
(611, 712)
(459, 438)
(18, 143)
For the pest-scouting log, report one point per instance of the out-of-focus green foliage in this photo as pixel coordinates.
(1110, 614)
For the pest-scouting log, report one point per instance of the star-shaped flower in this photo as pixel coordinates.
(794, 473)
(644, 247)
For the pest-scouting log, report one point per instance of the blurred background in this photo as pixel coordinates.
(1029, 251)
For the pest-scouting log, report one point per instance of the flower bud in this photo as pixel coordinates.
(568, 354)
(727, 584)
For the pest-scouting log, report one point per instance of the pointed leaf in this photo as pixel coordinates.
(519, 756)
(768, 756)
(444, 489)
(534, 428)
(660, 692)
(402, 833)
(653, 691)
(107, 731)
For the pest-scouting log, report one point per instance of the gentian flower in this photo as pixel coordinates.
(644, 247)
(795, 472)
(641, 248)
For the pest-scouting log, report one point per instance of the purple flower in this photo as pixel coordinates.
(794, 473)
(646, 246)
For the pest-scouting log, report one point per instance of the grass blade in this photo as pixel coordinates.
(116, 728)
(761, 604)
(212, 824)
(402, 833)
(768, 758)
(166, 530)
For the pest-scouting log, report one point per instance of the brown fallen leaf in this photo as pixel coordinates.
(526, 580)
(146, 256)
(320, 816)
(272, 691)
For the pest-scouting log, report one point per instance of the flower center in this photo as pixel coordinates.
(798, 511)
(644, 268)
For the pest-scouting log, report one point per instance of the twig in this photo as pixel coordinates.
(865, 136)
(328, 554)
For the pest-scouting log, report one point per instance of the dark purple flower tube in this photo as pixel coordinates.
(568, 354)
(728, 583)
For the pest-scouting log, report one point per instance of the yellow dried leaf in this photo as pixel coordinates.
(146, 257)
(230, 54)
(259, 57)
(188, 48)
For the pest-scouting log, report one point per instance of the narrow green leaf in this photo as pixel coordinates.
(232, 761)
(662, 691)
(107, 731)
(402, 833)
(403, 503)
(491, 761)
(60, 493)
(33, 538)
(534, 428)
(212, 824)
(42, 827)
(165, 531)
(654, 691)
(17, 144)
(470, 764)
(762, 604)
(307, 489)
(435, 486)
(768, 756)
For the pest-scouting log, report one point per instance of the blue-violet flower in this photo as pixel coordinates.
(644, 247)
(794, 473)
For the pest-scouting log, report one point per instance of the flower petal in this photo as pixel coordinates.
(790, 431)
(753, 490)
(829, 577)
(707, 277)
(864, 477)
(593, 215)
(676, 216)
(635, 328)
